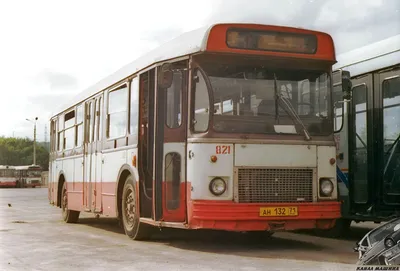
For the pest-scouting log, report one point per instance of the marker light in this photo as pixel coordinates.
(332, 161)
(213, 158)
(134, 161)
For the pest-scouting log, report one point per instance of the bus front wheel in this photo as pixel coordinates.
(69, 216)
(130, 213)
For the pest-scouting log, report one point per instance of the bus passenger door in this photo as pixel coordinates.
(388, 138)
(361, 184)
(88, 151)
(95, 178)
(146, 143)
(97, 155)
(170, 151)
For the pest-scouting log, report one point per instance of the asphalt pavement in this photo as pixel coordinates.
(34, 237)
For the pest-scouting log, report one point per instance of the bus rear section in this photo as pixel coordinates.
(7, 176)
(28, 176)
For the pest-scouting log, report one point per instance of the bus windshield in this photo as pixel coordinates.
(246, 99)
(7, 173)
(34, 173)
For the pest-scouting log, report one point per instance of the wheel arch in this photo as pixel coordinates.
(60, 183)
(125, 171)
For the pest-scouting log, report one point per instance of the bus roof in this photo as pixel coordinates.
(197, 41)
(372, 57)
(6, 167)
(26, 167)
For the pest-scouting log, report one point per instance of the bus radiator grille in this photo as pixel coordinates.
(262, 185)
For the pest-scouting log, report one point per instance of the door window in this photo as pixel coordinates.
(174, 101)
(173, 180)
(201, 104)
(360, 136)
(391, 134)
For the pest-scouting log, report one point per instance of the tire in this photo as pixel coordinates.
(69, 216)
(130, 213)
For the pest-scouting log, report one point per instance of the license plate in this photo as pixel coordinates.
(278, 211)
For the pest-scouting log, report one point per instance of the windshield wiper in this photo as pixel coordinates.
(288, 107)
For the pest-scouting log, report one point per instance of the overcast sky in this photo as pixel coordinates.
(51, 50)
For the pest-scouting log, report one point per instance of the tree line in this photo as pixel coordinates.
(19, 152)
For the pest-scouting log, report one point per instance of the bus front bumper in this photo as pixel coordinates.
(8, 184)
(230, 216)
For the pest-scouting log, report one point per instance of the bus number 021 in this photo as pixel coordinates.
(223, 149)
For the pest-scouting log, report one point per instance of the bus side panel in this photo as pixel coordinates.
(49, 181)
(57, 166)
(75, 189)
(74, 199)
(200, 169)
(113, 162)
(343, 164)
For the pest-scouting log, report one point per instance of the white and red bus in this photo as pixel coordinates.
(7, 176)
(28, 176)
(227, 127)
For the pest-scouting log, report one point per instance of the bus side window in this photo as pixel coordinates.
(338, 107)
(60, 135)
(117, 112)
(79, 126)
(94, 120)
(134, 107)
(201, 104)
(173, 109)
(99, 119)
(69, 132)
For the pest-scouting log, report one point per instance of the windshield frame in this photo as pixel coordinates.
(197, 64)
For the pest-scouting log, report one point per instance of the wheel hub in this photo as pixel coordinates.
(130, 209)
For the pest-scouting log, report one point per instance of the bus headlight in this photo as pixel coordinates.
(325, 187)
(217, 186)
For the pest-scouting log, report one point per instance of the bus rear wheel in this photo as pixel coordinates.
(130, 213)
(69, 216)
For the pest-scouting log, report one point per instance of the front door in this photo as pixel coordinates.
(95, 158)
(170, 150)
(88, 151)
(361, 186)
(388, 137)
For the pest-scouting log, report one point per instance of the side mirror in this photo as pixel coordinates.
(342, 83)
(346, 82)
(165, 76)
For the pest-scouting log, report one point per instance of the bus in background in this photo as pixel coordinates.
(368, 134)
(7, 176)
(228, 127)
(28, 176)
